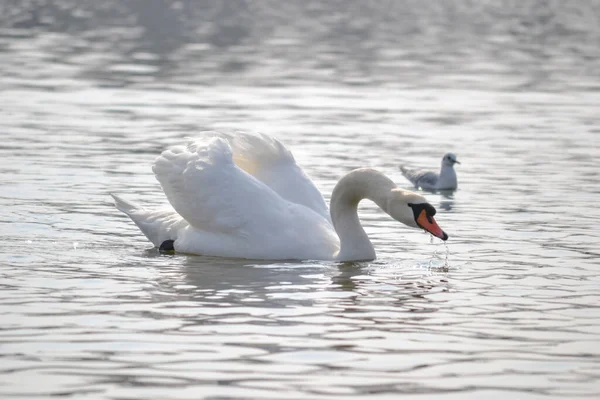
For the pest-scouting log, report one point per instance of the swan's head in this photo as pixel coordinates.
(449, 159)
(413, 210)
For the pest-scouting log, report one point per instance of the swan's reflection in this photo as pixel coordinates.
(221, 282)
(347, 271)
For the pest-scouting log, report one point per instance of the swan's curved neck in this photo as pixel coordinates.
(359, 184)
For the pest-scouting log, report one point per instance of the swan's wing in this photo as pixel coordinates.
(420, 178)
(208, 190)
(269, 161)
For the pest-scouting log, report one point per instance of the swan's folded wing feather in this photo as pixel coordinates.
(269, 161)
(208, 190)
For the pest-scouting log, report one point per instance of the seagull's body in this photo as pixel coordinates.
(429, 180)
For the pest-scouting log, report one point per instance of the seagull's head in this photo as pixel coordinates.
(449, 159)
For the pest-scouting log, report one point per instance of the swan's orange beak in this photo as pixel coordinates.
(429, 224)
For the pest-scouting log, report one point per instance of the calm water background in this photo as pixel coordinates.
(92, 91)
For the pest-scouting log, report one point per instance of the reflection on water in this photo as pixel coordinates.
(92, 91)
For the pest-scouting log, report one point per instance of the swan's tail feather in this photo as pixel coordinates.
(125, 206)
(156, 225)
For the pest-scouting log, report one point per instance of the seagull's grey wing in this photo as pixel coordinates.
(427, 180)
(420, 178)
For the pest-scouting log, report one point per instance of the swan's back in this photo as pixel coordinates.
(232, 213)
(208, 190)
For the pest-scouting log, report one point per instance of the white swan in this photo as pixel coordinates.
(241, 194)
(429, 180)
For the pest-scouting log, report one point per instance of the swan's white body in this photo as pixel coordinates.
(429, 180)
(241, 194)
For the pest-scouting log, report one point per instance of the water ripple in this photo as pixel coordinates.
(93, 91)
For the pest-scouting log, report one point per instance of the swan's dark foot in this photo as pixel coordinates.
(167, 246)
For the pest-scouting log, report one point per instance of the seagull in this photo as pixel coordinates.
(429, 180)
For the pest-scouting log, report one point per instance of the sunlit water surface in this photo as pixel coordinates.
(91, 92)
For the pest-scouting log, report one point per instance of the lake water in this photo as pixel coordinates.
(91, 92)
